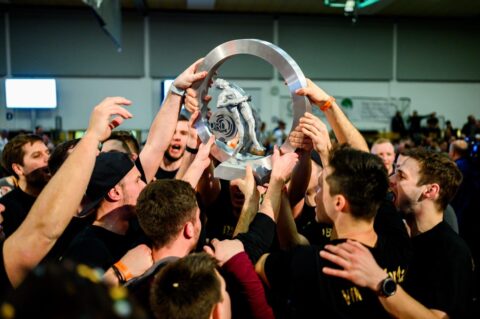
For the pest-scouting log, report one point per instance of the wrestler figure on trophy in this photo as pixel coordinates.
(234, 100)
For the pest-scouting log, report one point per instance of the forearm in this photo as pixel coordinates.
(287, 233)
(193, 173)
(249, 209)
(271, 201)
(187, 160)
(344, 129)
(160, 134)
(208, 187)
(300, 178)
(403, 306)
(251, 287)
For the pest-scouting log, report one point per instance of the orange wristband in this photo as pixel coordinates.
(124, 270)
(327, 104)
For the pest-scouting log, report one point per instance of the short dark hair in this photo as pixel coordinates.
(60, 154)
(13, 152)
(436, 167)
(129, 142)
(359, 176)
(187, 288)
(163, 207)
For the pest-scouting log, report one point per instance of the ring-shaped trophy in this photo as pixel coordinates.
(234, 111)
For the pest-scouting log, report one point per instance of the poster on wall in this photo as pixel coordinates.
(357, 109)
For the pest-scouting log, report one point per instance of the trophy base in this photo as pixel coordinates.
(233, 169)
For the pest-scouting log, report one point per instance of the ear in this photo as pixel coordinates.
(18, 169)
(432, 191)
(189, 230)
(115, 193)
(341, 204)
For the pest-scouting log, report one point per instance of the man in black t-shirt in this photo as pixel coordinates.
(298, 286)
(439, 281)
(25, 157)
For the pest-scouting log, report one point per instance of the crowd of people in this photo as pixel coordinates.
(341, 230)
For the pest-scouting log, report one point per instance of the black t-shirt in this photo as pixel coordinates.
(163, 174)
(300, 289)
(98, 247)
(440, 276)
(221, 220)
(17, 205)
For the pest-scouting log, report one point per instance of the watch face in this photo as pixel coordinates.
(389, 287)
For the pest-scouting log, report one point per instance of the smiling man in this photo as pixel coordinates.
(25, 157)
(438, 283)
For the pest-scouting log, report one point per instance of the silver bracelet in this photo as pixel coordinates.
(176, 90)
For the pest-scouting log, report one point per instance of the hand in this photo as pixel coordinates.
(138, 260)
(357, 262)
(247, 185)
(191, 101)
(193, 140)
(315, 94)
(224, 250)
(186, 79)
(282, 165)
(100, 126)
(317, 131)
(203, 156)
(299, 140)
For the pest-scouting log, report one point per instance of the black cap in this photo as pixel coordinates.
(110, 168)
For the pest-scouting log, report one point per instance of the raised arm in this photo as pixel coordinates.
(59, 200)
(282, 166)
(359, 266)
(341, 125)
(248, 187)
(163, 126)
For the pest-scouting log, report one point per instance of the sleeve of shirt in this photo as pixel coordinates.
(259, 238)
(251, 288)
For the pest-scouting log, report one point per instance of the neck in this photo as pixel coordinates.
(116, 220)
(359, 230)
(423, 220)
(29, 189)
(176, 248)
(169, 164)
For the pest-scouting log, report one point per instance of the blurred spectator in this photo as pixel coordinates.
(279, 133)
(397, 125)
(470, 128)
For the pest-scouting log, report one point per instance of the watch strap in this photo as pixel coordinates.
(176, 90)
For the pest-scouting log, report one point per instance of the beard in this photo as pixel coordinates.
(38, 178)
(172, 159)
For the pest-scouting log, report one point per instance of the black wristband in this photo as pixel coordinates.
(118, 274)
(191, 150)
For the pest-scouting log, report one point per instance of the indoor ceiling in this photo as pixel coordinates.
(399, 8)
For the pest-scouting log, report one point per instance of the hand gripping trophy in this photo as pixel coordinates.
(236, 103)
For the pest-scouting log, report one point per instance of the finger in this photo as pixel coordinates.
(196, 64)
(207, 98)
(335, 272)
(116, 122)
(334, 259)
(209, 250)
(193, 118)
(191, 92)
(117, 100)
(119, 110)
(199, 76)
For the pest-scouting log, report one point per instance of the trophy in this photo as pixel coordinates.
(234, 123)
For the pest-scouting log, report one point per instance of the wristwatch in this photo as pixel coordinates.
(176, 90)
(387, 287)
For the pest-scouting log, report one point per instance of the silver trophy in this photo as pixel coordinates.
(234, 115)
